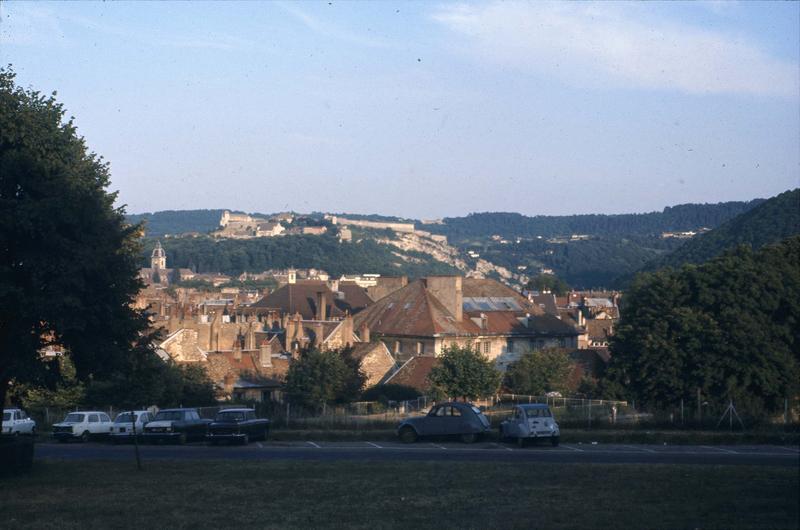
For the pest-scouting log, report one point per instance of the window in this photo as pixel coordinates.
(420, 348)
(442, 411)
(93, 418)
(455, 412)
(487, 347)
(104, 417)
(510, 346)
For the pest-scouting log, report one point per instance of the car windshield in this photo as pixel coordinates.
(475, 409)
(169, 415)
(538, 413)
(124, 418)
(77, 418)
(6, 416)
(230, 416)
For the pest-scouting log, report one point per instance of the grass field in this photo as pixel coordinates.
(290, 494)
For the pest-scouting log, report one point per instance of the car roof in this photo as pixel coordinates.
(459, 404)
(177, 410)
(88, 412)
(10, 410)
(534, 406)
(134, 411)
(236, 410)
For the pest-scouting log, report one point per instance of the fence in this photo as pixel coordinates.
(576, 413)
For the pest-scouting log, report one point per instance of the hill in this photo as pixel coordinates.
(769, 222)
(158, 224)
(682, 217)
(234, 256)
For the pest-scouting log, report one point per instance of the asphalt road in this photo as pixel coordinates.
(765, 455)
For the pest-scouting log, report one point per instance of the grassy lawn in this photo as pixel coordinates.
(291, 494)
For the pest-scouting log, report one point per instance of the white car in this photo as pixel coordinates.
(16, 422)
(531, 422)
(127, 423)
(82, 426)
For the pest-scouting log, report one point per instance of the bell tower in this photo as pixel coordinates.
(158, 260)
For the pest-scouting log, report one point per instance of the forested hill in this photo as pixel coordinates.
(769, 222)
(682, 217)
(177, 221)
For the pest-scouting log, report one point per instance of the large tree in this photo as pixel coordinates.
(540, 371)
(320, 377)
(463, 372)
(728, 327)
(68, 267)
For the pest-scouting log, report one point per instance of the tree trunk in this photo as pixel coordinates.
(3, 392)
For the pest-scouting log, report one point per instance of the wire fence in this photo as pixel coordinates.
(580, 413)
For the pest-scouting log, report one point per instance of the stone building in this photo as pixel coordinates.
(426, 315)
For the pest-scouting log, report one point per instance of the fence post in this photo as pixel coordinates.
(590, 413)
(785, 411)
(681, 412)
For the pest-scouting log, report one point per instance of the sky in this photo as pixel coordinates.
(423, 110)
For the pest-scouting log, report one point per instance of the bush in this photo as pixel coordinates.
(390, 392)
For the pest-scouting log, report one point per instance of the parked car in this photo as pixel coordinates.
(240, 425)
(446, 419)
(177, 425)
(16, 422)
(531, 422)
(126, 424)
(82, 426)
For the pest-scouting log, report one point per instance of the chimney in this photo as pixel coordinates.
(322, 302)
(237, 348)
(347, 330)
(364, 332)
(581, 321)
(447, 289)
(265, 354)
(318, 335)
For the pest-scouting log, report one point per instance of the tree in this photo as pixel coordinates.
(462, 371)
(68, 259)
(540, 371)
(321, 377)
(728, 327)
(548, 282)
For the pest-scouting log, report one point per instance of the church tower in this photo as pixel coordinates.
(158, 260)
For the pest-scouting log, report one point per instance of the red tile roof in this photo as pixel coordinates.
(414, 373)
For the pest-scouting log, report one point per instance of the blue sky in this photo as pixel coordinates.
(423, 109)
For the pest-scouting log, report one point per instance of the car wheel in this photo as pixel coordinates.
(182, 438)
(408, 435)
(521, 442)
(469, 438)
(85, 436)
(554, 441)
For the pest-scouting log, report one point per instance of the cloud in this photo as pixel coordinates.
(602, 45)
(329, 30)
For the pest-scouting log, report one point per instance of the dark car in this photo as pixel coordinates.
(177, 425)
(446, 419)
(237, 425)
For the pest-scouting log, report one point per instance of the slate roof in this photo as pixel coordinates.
(414, 311)
(414, 373)
(301, 297)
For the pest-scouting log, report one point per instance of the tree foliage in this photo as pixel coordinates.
(463, 372)
(540, 371)
(68, 259)
(548, 282)
(730, 327)
(321, 377)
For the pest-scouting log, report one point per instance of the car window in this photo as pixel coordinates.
(251, 415)
(125, 417)
(6, 416)
(104, 417)
(442, 411)
(455, 411)
(74, 417)
(93, 418)
(193, 415)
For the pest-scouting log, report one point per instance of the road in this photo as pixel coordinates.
(766, 455)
